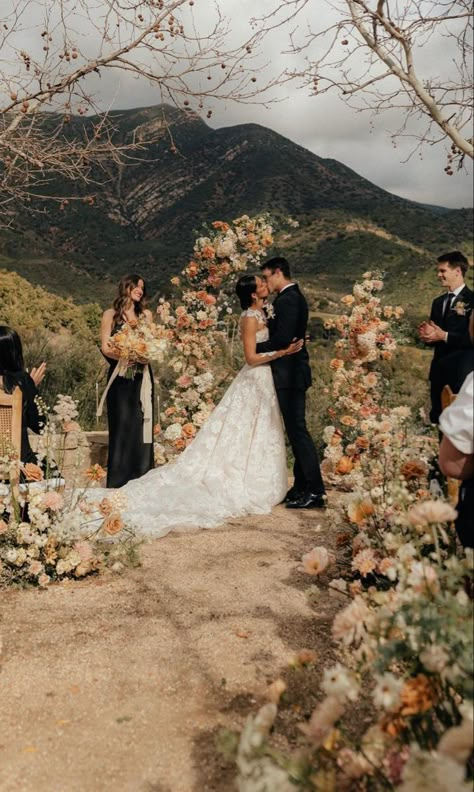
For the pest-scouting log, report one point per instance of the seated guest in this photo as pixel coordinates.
(456, 453)
(13, 374)
(447, 330)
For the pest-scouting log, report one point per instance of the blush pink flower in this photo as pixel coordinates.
(316, 561)
(52, 500)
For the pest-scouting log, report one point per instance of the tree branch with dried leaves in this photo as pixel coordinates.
(385, 55)
(55, 55)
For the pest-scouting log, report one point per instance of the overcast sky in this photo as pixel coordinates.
(322, 124)
(328, 127)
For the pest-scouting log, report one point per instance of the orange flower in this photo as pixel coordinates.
(413, 470)
(359, 510)
(348, 420)
(208, 252)
(418, 695)
(220, 225)
(179, 444)
(344, 465)
(157, 429)
(33, 472)
(336, 363)
(113, 524)
(362, 442)
(95, 473)
(189, 430)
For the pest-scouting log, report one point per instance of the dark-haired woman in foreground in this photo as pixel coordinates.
(13, 374)
(129, 399)
(236, 465)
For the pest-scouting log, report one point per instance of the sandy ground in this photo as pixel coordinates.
(122, 682)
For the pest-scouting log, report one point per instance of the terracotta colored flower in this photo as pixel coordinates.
(112, 524)
(179, 444)
(344, 465)
(359, 510)
(336, 363)
(189, 430)
(157, 429)
(33, 472)
(362, 442)
(417, 695)
(413, 470)
(95, 473)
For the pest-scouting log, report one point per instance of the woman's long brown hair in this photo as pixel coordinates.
(126, 284)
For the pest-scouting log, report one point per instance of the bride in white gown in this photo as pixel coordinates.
(236, 465)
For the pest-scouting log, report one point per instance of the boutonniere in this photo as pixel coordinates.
(270, 311)
(461, 308)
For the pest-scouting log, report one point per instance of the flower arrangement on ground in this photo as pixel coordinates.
(403, 632)
(49, 533)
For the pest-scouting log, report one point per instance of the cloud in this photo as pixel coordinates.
(323, 124)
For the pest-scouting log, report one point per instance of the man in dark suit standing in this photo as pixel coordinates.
(287, 320)
(447, 330)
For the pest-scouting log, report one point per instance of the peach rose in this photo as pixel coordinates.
(33, 472)
(189, 430)
(179, 444)
(113, 524)
(105, 507)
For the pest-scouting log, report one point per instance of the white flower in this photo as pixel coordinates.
(338, 584)
(349, 624)
(387, 691)
(434, 658)
(173, 432)
(340, 683)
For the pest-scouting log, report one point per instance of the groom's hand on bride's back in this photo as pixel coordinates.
(295, 346)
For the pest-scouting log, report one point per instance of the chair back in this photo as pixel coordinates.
(10, 418)
(447, 398)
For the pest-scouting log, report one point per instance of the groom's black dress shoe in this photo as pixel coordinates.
(309, 500)
(292, 495)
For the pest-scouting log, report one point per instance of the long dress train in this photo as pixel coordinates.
(235, 466)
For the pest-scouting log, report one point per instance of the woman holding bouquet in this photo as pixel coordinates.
(129, 392)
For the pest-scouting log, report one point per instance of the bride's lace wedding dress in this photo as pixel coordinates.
(235, 466)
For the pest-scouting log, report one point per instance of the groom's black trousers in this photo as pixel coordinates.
(306, 469)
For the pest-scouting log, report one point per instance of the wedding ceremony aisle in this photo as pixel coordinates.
(124, 682)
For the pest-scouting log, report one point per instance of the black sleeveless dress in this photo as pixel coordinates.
(129, 456)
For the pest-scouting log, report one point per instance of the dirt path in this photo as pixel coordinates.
(121, 683)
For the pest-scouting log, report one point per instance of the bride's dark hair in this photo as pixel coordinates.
(245, 287)
(126, 284)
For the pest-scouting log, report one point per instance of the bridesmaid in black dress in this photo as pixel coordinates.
(130, 435)
(13, 374)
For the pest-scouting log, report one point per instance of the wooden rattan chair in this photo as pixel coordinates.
(447, 398)
(10, 423)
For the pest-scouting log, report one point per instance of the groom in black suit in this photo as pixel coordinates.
(448, 330)
(287, 320)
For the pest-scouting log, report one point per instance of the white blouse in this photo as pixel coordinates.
(457, 420)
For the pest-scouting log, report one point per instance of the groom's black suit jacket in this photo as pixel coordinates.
(453, 359)
(289, 321)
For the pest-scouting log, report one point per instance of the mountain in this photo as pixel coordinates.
(145, 215)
